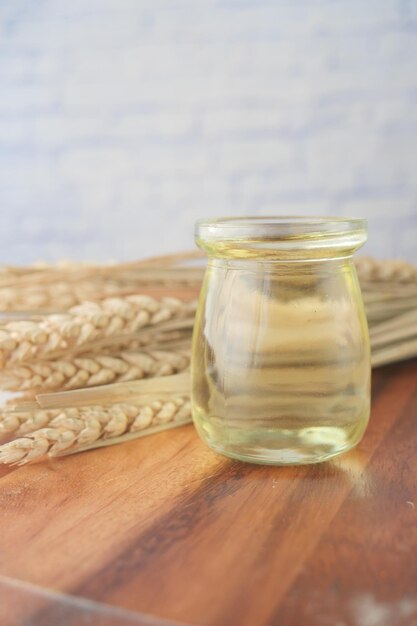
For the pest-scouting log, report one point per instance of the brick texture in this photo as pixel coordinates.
(123, 121)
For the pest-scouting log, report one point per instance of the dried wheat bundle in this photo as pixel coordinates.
(26, 340)
(73, 430)
(61, 295)
(71, 421)
(55, 288)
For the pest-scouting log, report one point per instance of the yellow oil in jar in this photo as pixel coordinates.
(281, 364)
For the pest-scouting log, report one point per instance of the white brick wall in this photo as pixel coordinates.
(122, 121)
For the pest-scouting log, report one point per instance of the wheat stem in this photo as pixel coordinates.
(163, 386)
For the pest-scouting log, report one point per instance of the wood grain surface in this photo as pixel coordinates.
(164, 527)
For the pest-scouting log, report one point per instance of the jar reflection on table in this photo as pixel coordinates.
(281, 364)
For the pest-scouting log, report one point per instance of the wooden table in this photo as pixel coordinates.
(162, 526)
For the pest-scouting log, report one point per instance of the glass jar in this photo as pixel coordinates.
(281, 358)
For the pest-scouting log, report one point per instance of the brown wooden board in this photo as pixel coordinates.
(163, 526)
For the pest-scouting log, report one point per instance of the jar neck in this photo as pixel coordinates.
(282, 266)
(249, 254)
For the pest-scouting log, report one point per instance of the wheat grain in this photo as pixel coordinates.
(26, 340)
(72, 429)
(25, 422)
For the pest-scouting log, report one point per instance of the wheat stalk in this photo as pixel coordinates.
(26, 340)
(41, 272)
(75, 429)
(90, 370)
(148, 388)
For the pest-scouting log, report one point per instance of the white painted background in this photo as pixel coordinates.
(122, 121)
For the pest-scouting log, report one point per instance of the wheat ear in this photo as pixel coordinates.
(23, 341)
(74, 429)
(90, 370)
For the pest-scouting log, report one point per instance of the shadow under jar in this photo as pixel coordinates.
(281, 359)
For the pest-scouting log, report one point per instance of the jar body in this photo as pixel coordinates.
(281, 360)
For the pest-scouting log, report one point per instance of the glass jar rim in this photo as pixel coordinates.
(292, 237)
(276, 227)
